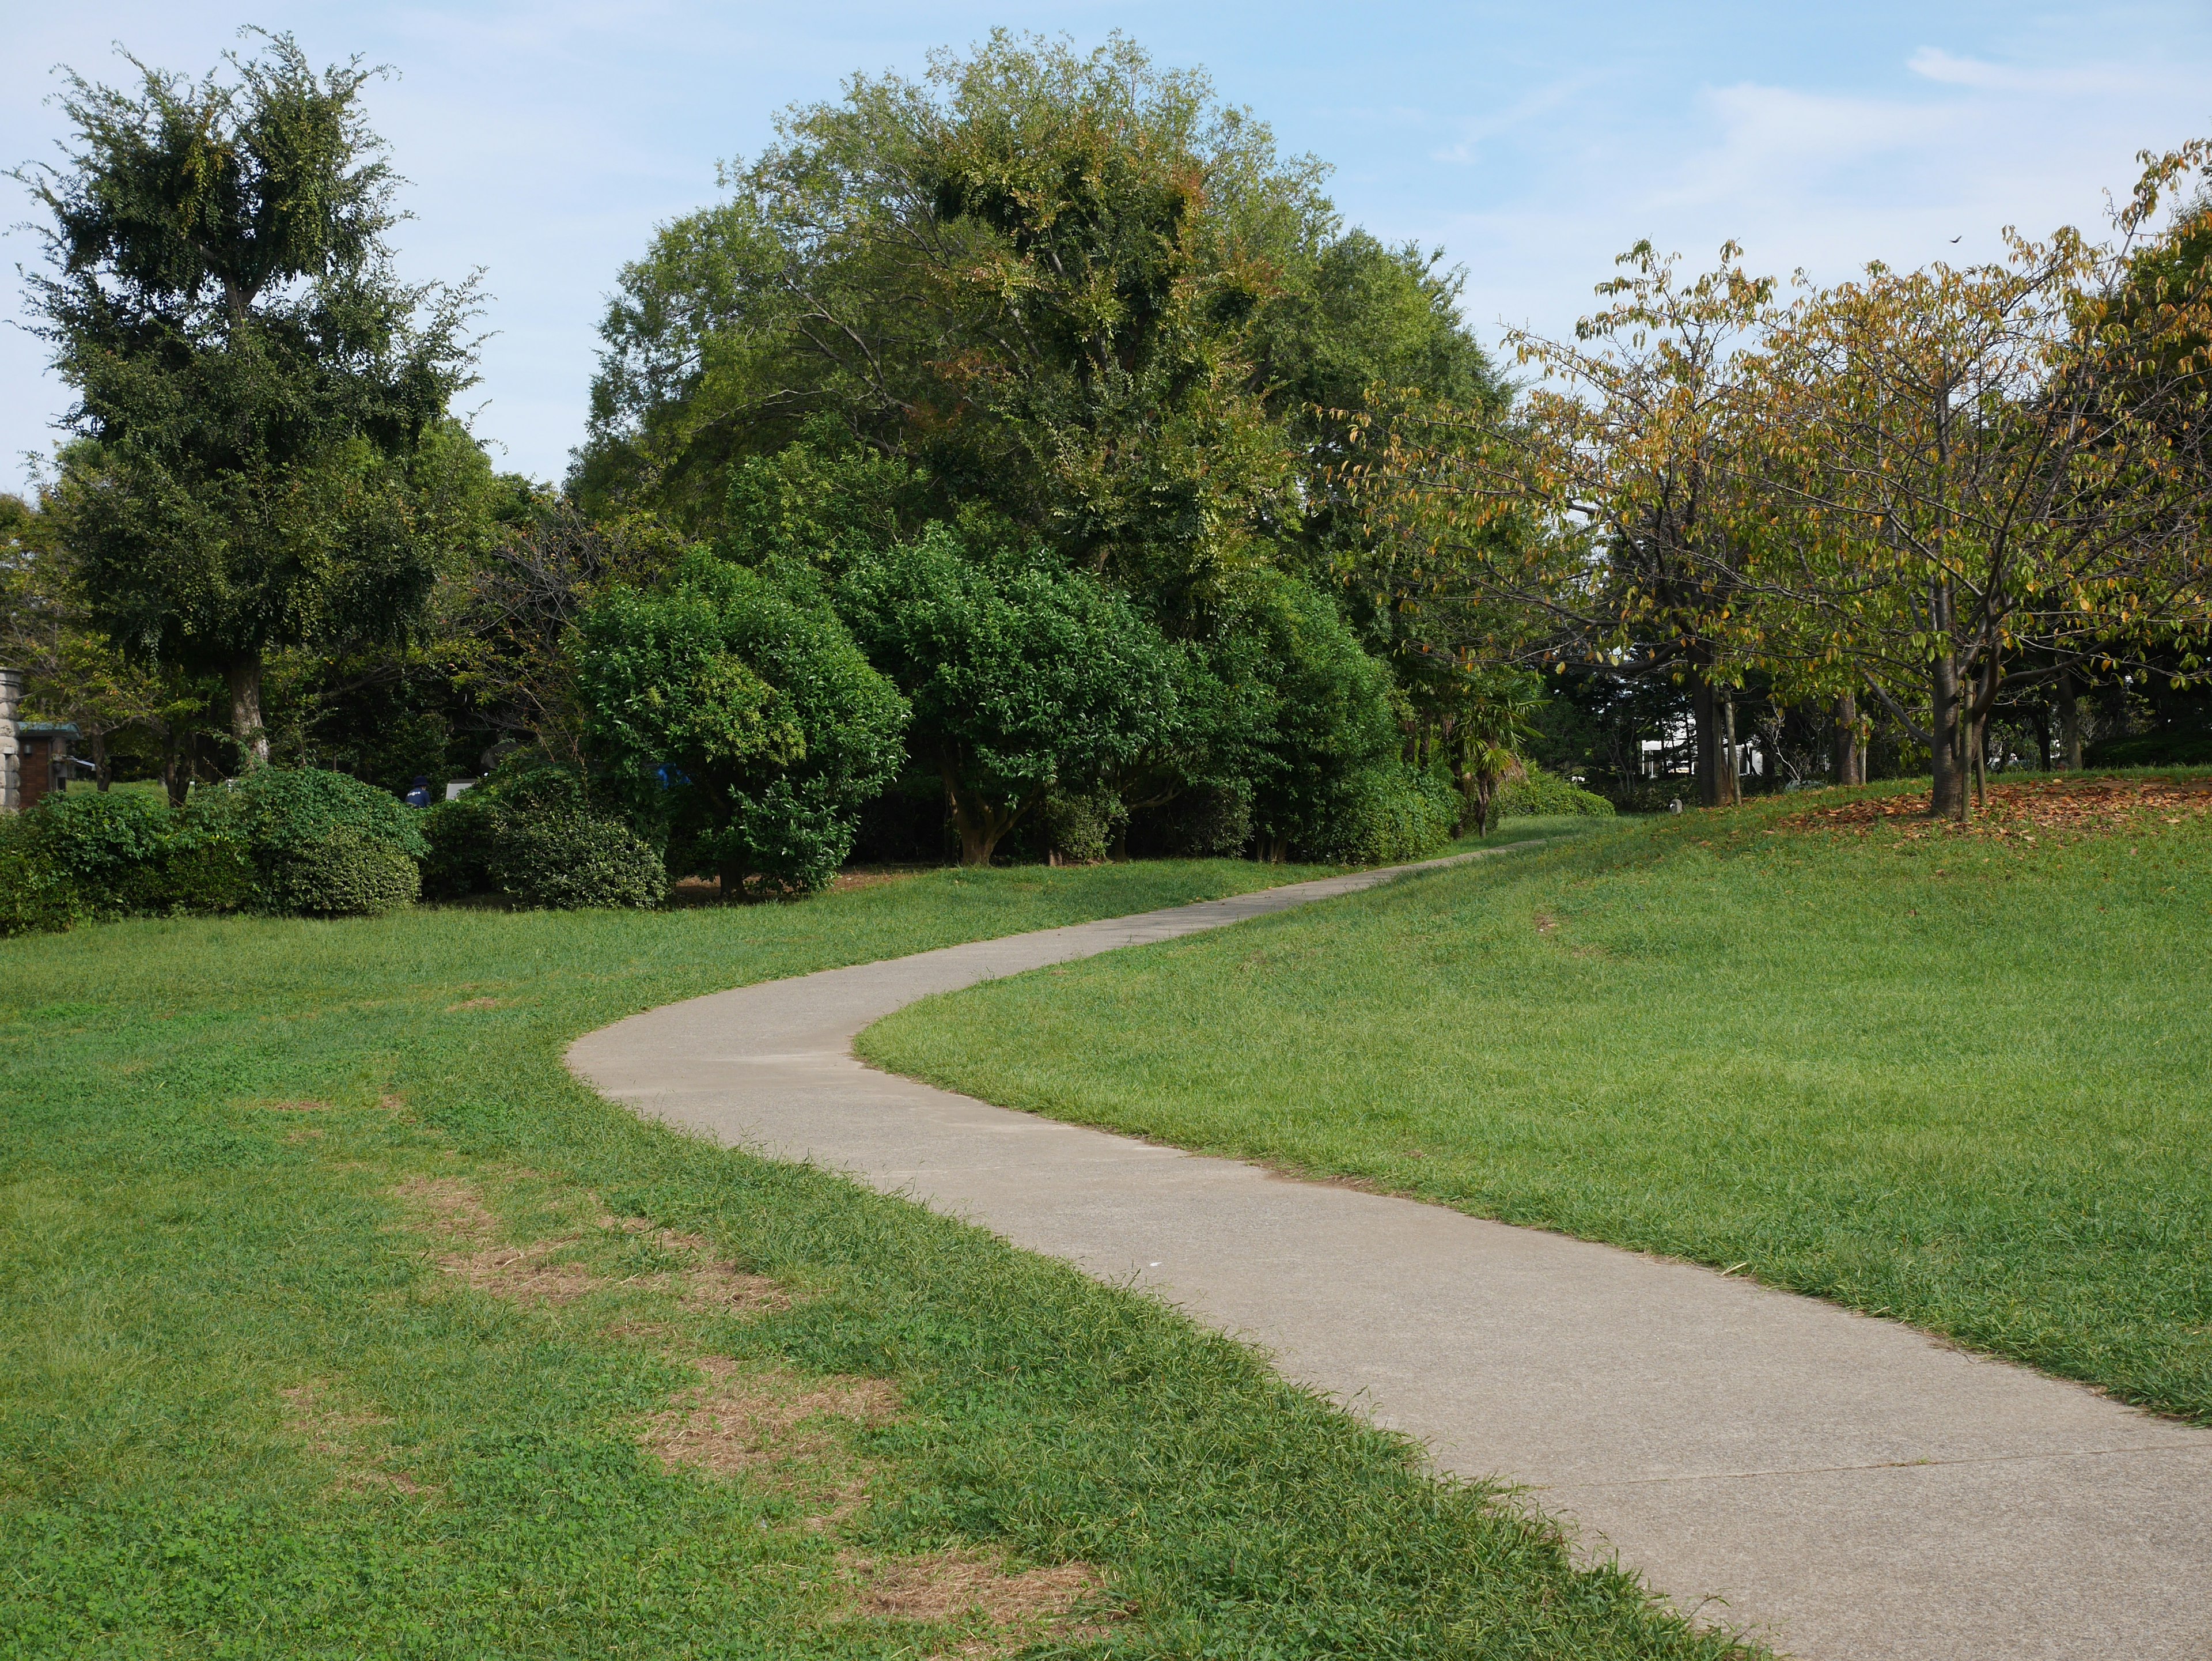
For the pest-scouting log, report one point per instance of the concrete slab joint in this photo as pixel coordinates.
(1846, 1487)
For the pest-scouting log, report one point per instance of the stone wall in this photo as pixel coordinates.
(11, 747)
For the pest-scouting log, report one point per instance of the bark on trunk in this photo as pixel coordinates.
(1850, 765)
(2069, 721)
(99, 759)
(246, 727)
(1734, 794)
(1711, 758)
(1947, 757)
(979, 824)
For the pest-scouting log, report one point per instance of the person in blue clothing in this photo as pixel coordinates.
(419, 796)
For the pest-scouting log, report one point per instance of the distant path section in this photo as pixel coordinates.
(1847, 1488)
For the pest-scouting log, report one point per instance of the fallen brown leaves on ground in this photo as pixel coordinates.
(2047, 806)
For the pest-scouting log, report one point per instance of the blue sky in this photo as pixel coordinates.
(543, 141)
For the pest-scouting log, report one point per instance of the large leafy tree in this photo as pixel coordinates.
(256, 379)
(1073, 288)
(733, 705)
(1025, 677)
(1983, 475)
(1608, 523)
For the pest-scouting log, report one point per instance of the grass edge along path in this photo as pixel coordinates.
(339, 1319)
(1955, 1080)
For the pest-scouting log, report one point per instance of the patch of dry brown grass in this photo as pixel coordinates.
(738, 1420)
(950, 1587)
(317, 1417)
(529, 1272)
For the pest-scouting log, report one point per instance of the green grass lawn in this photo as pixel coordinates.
(1962, 1081)
(340, 1321)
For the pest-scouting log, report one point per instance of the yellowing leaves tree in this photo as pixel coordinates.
(1993, 471)
(1606, 520)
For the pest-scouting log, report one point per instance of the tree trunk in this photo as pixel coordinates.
(1708, 749)
(1948, 751)
(245, 676)
(1851, 764)
(2069, 721)
(1734, 796)
(979, 824)
(1949, 798)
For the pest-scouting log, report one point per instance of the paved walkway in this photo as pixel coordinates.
(1849, 1487)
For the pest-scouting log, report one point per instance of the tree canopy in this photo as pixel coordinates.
(253, 383)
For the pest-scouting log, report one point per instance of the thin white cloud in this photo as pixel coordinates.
(2085, 79)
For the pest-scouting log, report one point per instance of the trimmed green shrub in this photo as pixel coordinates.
(295, 810)
(460, 834)
(738, 718)
(346, 874)
(1025, 677)
(530, 836)
(1323, 737)
(282, 839)
(1081, 827)
(567, 859)
(101, 843)
(323, 844)
(1539, 794)
(1385, 815)
(35, 897)
(202, 870)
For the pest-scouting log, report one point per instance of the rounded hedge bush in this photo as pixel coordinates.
(346, 874)
(1385, 815)
(1081, 826)
(323, 844)
(102, 845)
(532, 835)
(1539, 793)
(568, 859)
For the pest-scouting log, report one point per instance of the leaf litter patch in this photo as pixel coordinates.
(2057, 809)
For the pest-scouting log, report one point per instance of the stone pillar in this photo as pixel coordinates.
(11, 745)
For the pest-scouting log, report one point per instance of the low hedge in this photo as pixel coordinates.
(1385, 815)
(286, 841)
(1537, 794)
(534, 837)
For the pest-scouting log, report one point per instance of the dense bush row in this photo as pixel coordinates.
(285, 841)
(300, 841)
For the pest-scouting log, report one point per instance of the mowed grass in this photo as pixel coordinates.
(1961, 1080)
(336, 1319)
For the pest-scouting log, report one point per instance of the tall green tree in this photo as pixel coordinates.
(732, 706)
(1073, 288)
(1024, 677)
(255, 377)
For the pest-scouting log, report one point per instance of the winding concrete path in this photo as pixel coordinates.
(1846, 1488)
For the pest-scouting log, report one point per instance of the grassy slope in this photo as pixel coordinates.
(1961, 1083)
(244, 1413)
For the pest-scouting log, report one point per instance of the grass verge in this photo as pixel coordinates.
(1959, 1079)
(339, 1320)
